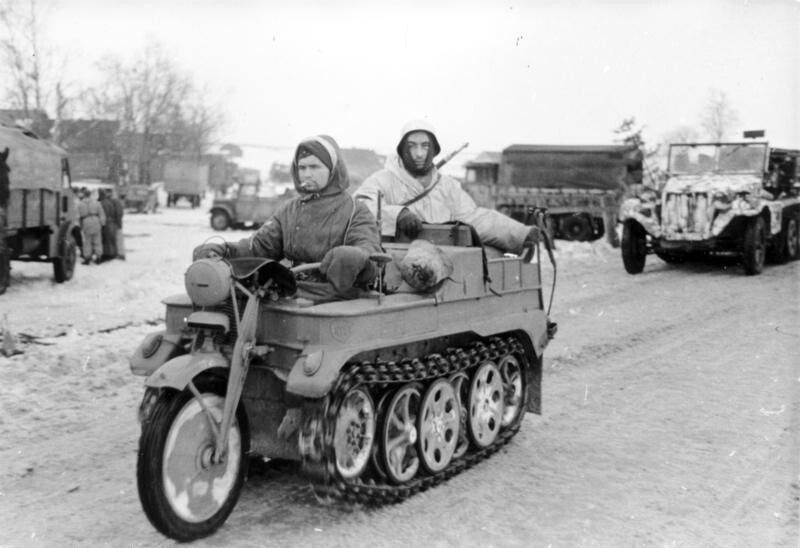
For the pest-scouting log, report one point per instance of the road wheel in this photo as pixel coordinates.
(438, 422)
(398, 444)
(514, 389)
(220, 220)
(64, 265)
(5, 265)
(184, 493)
(634, 246)
(754, 247)
(354, 434)
(460, 382)
(485, 405)
(791, 239)
(576, 228)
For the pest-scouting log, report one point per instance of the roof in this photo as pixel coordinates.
(483, 159)
(580, 149)
(361, 163)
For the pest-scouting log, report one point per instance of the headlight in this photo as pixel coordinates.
(208, 281)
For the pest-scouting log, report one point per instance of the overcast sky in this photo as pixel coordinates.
(492, 73)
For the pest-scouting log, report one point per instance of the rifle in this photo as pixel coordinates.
(450, 156)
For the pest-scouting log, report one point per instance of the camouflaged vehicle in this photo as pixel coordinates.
(739, 197)
(378, 397)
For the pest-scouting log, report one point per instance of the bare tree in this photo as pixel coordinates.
(682, 134)
(630, 133)
(157, 107)
(718, 117)
(35, 71)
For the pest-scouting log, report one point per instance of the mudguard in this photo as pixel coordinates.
(155, 350)
(177, 372)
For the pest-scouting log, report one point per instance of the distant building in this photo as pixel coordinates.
(36, 121)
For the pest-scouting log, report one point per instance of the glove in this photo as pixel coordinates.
(342, 266)
(408, 224)
(206, 251)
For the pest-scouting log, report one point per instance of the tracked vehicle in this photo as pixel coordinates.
(378, 397)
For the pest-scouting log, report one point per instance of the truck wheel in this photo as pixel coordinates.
(64, 265)
(5, 266)
(184, 493)
(576, 228)
(220, 220)
(790, 239)
(754, 247)
(634, 247)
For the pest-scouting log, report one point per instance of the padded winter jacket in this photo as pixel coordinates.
(446, 202)
(305, 228)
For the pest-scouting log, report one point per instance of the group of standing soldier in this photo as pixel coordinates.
(101, 223)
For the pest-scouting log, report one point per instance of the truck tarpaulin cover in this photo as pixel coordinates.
(34, 163)
(574, 167)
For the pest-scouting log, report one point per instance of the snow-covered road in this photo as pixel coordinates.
(670, 415)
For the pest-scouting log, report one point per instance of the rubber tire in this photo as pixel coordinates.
(791, 239)
(155, 431)
(754, 246)
(5, 266)
(523, 402)
(64, 265)
(633, 246)
(220, 221)
(576, 228)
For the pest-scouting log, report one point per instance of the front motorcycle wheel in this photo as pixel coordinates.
(184, 492)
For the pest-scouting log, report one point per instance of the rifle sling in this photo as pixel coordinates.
(422, 194)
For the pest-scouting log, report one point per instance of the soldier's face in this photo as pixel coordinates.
(313, 174)
(418, 144)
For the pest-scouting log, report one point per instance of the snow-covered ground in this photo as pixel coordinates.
(670, 414)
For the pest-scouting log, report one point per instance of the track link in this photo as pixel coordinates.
(378, 377)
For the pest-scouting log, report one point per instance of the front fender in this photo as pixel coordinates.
(177, 372)
(229, 210)
(156, 349)
(643, 212)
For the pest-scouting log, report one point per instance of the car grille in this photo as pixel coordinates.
(688, 214)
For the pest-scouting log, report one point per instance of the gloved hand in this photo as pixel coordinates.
(536, 235)
(206, 251)
(342, 266)
(408, 224)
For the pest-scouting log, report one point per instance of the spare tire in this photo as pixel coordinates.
(577, 227)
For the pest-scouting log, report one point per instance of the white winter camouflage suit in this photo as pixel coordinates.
(447, 202)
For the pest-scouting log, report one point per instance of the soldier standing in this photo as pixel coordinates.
(92, 219)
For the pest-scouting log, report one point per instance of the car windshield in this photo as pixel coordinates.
(717, 158)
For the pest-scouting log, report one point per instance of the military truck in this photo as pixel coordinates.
(185, 178)
(250, 205)
(38, 220)
(580, 186)
(732, 197)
